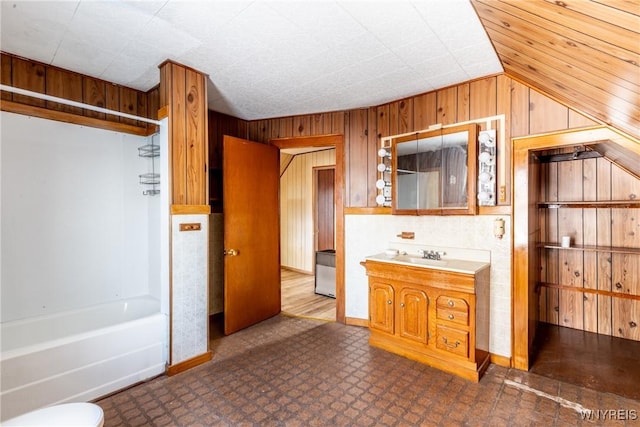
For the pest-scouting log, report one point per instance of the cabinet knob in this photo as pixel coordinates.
(402, 304)
(450, 303)
(389, 302)
(450, 317)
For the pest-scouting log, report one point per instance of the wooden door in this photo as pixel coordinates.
(251, 233)
(412, 314)
(325, 208)
(381, 304)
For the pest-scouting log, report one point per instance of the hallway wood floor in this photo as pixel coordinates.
(300, 300)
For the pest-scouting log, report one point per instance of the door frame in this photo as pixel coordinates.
(316, 233)
(336, 141)
(523, 279)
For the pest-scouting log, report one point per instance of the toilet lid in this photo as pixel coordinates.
(67, 414)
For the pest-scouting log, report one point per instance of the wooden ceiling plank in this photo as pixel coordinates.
(609, 33)
(630, 129)
(629, 6)
(574, 86)
(589, 106)
(509, 16)
(604, 13)
(568, 58)
(626, 74)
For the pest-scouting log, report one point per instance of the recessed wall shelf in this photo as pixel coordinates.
(591, 248)
(593, 204)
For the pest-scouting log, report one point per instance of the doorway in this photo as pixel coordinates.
(303, 253)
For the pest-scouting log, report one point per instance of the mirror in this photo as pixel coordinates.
(434, 172)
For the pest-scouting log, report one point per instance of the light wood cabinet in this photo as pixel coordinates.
(437, 317)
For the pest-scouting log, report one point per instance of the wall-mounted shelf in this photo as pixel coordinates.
(591, 248)
(589, 291)
(593, 204)
(152, 179)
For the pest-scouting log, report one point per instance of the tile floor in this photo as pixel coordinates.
(290, 371)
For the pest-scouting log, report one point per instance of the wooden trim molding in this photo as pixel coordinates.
(367, 211)
(189, 363)
(353, 321)
(61, 116)
(190, 209)
(496, 359)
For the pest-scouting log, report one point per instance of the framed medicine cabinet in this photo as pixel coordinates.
(434, 172)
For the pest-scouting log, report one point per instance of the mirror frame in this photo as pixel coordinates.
(472, 168)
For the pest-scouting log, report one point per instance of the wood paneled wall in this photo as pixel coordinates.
(47, 79)
(296, 210)
(220, 125)
(526, 111)
(184, 91)
(612, 302)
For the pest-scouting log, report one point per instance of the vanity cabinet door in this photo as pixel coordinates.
(381, 306)
(413, 305)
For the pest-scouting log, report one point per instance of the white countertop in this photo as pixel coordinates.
(446, 264)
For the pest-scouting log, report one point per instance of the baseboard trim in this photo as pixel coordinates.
(505, 361)
(189, 363)
(309, 273)
(354, 321)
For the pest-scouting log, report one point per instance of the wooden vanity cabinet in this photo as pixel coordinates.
(437, 317)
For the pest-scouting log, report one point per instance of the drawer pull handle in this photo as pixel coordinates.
(446, 343)
(450, 303)
(389, 302)
(450, 317)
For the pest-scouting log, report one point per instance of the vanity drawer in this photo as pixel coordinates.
(459, 317)
(451, 303)
(452, 340)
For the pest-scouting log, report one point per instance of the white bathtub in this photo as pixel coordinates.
(80, 355)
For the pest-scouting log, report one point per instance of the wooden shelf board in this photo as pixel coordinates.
(591, 204)
(591, 248)
(590, 291)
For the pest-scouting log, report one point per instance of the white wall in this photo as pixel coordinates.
(74, 225)
(370, 234)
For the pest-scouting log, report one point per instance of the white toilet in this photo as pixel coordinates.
(66, 414)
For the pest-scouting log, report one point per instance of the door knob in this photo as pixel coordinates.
(231, 252)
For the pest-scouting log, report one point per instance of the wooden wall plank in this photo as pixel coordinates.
(28, 75)
(357, 162)
(446, 105)
(93, 93)
(424, 111)
(302, 126)
(504, 86)
(463, 110)
(383, 123)
(178, 160)
(373, 144)
(546, 115)
(483, 102)
(5, 76)
(405, 116)
(196, 122)
(128, 104)
(520, 109)
(112, 99)
(603, 238)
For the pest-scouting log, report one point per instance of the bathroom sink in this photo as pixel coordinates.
(421, 261)
(426, 261)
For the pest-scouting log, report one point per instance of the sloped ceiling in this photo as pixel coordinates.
(584, 53)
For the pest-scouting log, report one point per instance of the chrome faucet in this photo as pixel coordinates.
(431, 254)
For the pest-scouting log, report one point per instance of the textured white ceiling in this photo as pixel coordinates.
(264, 58)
